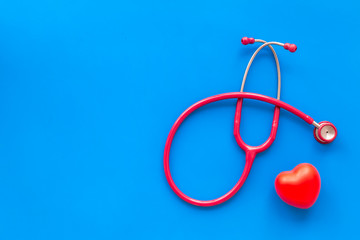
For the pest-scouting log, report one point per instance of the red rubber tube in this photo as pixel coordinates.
(249, 150)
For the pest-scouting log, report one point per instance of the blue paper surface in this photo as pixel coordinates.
(90, 89)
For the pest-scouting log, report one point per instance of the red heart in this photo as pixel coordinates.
(299, 187)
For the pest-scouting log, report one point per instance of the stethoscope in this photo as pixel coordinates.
(324, 132)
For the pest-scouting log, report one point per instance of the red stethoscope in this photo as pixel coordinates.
(324, 132)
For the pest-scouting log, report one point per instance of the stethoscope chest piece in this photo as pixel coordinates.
(325, 133)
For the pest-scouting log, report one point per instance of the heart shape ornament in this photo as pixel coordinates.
(299, 187)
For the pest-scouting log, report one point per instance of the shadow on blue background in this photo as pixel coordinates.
(90, 89)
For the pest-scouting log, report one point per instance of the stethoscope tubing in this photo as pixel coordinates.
(247, 95)
(249, 150)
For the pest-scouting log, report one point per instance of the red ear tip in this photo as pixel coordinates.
(290, 47)
(245, 40)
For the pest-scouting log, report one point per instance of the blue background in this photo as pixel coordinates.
(90, 89)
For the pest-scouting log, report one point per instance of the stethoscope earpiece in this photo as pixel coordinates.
(288, 46)
(325, 133)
